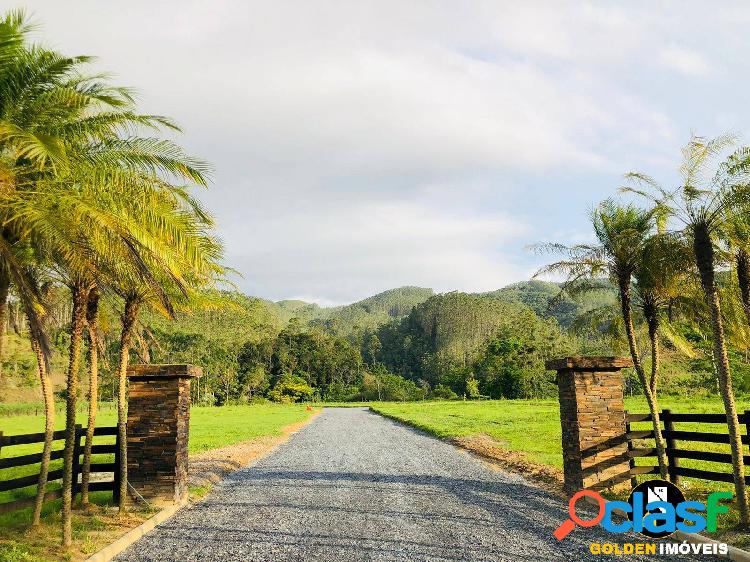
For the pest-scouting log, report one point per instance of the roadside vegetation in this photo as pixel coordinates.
(96, 210)
(97, 525)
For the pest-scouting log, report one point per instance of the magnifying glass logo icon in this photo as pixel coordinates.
(569, 524)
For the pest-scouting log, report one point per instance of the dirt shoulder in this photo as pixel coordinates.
(210, 467)
(488, 448)
(98, 526)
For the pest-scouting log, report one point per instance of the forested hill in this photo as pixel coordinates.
(247, 343)
(545, 299)
(368, 313)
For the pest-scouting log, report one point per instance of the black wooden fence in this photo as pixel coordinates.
(680, 445)
(8, 441)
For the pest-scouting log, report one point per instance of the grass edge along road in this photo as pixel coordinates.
(524, 436)
(211, 428)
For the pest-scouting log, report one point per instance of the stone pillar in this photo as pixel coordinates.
(158, 429)
(592, 416)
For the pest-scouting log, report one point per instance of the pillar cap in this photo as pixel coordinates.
(588, 363)
(179, 371)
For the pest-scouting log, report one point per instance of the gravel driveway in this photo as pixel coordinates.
(355, 486)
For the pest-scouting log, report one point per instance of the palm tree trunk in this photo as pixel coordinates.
(743, 279)
(132, 305)
(704, 257)
(4, 288)
(92, 315)
(627, 317)
(652, 319)
(49, 429)
(78, 321)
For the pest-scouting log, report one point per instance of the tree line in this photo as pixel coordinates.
(97, 209)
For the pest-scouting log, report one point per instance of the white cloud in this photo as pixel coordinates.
(367, 144)
(685, 60)
(356, 250)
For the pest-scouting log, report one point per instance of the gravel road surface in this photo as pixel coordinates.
(353, 486)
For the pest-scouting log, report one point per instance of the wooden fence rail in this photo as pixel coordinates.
(7, 441)
(678, 445)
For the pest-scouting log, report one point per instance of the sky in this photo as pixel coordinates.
(359, 146)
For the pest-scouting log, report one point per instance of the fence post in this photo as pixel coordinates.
(77, 459)
(747, 426)
(673, 461)
(117, 476)
(631, 461)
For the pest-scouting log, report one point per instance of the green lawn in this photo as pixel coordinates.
(209, 428)
(533, 426)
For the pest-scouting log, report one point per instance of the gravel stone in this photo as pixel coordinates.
(354, 486)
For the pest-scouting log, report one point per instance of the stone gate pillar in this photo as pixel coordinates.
(158, 429)
(592, 416)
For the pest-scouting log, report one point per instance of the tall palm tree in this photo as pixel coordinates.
(659, 276)
(621, 232)
(736, 234)
(188, 259)
(43, 369)
(92, 329)
(84, 172)
(4, 292)
(89, 195)
(711, 186)
(79, 290)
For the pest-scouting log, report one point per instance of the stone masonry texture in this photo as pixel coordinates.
(592, 418)
(158, 431)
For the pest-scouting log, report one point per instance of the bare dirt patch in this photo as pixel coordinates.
(491, 450)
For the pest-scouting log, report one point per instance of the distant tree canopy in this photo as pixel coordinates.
(454, 339)
(402, 344)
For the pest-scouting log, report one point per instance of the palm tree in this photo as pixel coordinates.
(92, 318)
(701, 204)
(659, 276)
(49, 411)
(4, 291)
(188, 259)
(89, 196)
(88, 170)
(79, 290)
(621, 233)
(736, 234)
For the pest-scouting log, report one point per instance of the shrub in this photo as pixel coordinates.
(290, 388)
(444, 392)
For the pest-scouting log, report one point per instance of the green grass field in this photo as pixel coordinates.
(533, 426)
(210, 428)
